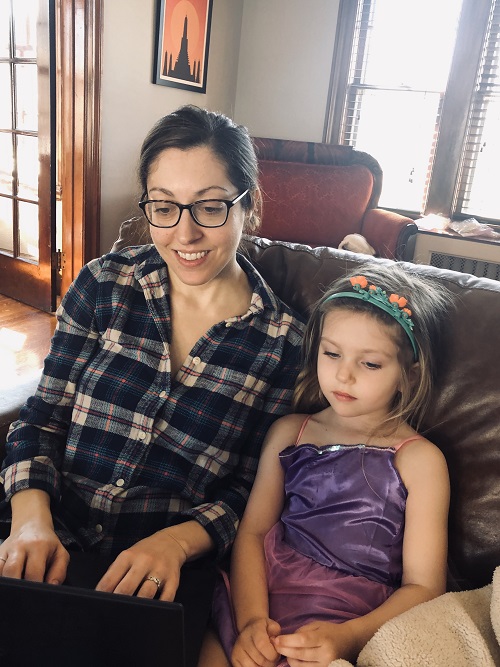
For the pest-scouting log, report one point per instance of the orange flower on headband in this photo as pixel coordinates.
(359, 280)
(401, 301)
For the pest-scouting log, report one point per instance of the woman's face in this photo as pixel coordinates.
(195, 255)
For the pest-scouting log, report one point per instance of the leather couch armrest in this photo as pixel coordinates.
(11, 401)
(387, 232)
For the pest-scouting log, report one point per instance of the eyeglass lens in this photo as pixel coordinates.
(210, 213)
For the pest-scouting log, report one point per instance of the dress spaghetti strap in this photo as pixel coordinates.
(414, 437)
(304, 424)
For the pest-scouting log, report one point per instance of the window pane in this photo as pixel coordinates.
(27, 167)
(6, 225)
(477, 191)
(27, 97)
(4, 30)
(483, 193)
(402, 154)
(28, 230)
(410, 44)
(6, 163)
(6, 97)
(25, 18)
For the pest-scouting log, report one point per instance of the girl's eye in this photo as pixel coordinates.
(332, 355)
(371, 366)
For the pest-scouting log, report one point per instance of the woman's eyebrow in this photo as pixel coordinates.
(199, 193)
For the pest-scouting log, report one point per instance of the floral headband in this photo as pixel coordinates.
(394, 305)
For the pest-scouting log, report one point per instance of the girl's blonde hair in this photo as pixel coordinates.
(429, 302)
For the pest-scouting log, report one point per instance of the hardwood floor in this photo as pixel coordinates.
(25, 335)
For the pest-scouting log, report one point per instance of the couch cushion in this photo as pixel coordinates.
(313, 203)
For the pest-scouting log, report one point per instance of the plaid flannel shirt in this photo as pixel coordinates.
(123, 448)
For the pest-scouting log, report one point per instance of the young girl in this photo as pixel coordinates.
(347, 520)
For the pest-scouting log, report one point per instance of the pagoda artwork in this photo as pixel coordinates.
(182, 39)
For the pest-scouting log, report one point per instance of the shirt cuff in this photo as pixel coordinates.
(36, 473)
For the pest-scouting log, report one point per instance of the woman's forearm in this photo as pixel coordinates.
(191, 538)
(31, 505)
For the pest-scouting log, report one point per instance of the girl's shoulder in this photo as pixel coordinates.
(417, 458)
(285, 430)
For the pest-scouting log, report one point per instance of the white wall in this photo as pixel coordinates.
(284, 67)
(131, 103)
(269, 68)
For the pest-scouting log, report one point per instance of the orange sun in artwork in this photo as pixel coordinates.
(176, 13)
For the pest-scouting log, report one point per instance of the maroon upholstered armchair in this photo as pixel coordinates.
(317, 193)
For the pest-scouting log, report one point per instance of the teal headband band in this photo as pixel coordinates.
(394, 305)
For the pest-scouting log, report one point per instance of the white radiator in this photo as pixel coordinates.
(480, 258)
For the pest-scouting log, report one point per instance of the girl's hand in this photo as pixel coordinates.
(254, 647)
(34, 552)
(317, 644)
(158, 556)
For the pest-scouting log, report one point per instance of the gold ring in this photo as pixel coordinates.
(154, 580)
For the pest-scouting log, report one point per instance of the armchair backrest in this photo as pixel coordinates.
(316, 193)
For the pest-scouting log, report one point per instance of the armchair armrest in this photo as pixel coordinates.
(387, 232)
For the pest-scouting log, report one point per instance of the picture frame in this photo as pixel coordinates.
(182, 39)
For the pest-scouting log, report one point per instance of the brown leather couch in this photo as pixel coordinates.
(464, 420)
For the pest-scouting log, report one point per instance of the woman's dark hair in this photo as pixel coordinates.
(189, 127)
(429, 302)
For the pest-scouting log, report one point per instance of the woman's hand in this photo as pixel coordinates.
(317, 644)
(137, 570)
(34, 552)
(254, 647)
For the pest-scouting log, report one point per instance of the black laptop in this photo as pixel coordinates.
(73, 625)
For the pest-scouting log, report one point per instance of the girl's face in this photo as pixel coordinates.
(195, 255)
(358, 368)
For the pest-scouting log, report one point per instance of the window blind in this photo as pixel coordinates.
(477, 192)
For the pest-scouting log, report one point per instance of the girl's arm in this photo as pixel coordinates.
(248, 577)
(424, 472)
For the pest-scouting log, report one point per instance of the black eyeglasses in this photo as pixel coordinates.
(206, 212)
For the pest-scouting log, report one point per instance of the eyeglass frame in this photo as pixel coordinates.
(189, 207)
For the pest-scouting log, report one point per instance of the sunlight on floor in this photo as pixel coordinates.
(11, 340)
(11, 349)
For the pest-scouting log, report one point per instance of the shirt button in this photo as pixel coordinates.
(120, 482)
(141, 435)
(196, 361)
(228, 324)
(98, 528)
(163, 394)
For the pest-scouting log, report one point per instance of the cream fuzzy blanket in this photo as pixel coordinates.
(454, 630)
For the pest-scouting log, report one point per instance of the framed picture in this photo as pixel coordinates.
(182, 36)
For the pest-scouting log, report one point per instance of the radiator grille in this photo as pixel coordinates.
(477, 267)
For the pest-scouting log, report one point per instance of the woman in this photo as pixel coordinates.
(168, 365)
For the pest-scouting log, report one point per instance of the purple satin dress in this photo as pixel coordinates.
(336, 552)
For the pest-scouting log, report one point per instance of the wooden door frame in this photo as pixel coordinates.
(79, 76)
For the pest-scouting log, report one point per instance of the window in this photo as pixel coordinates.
(417, 85)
